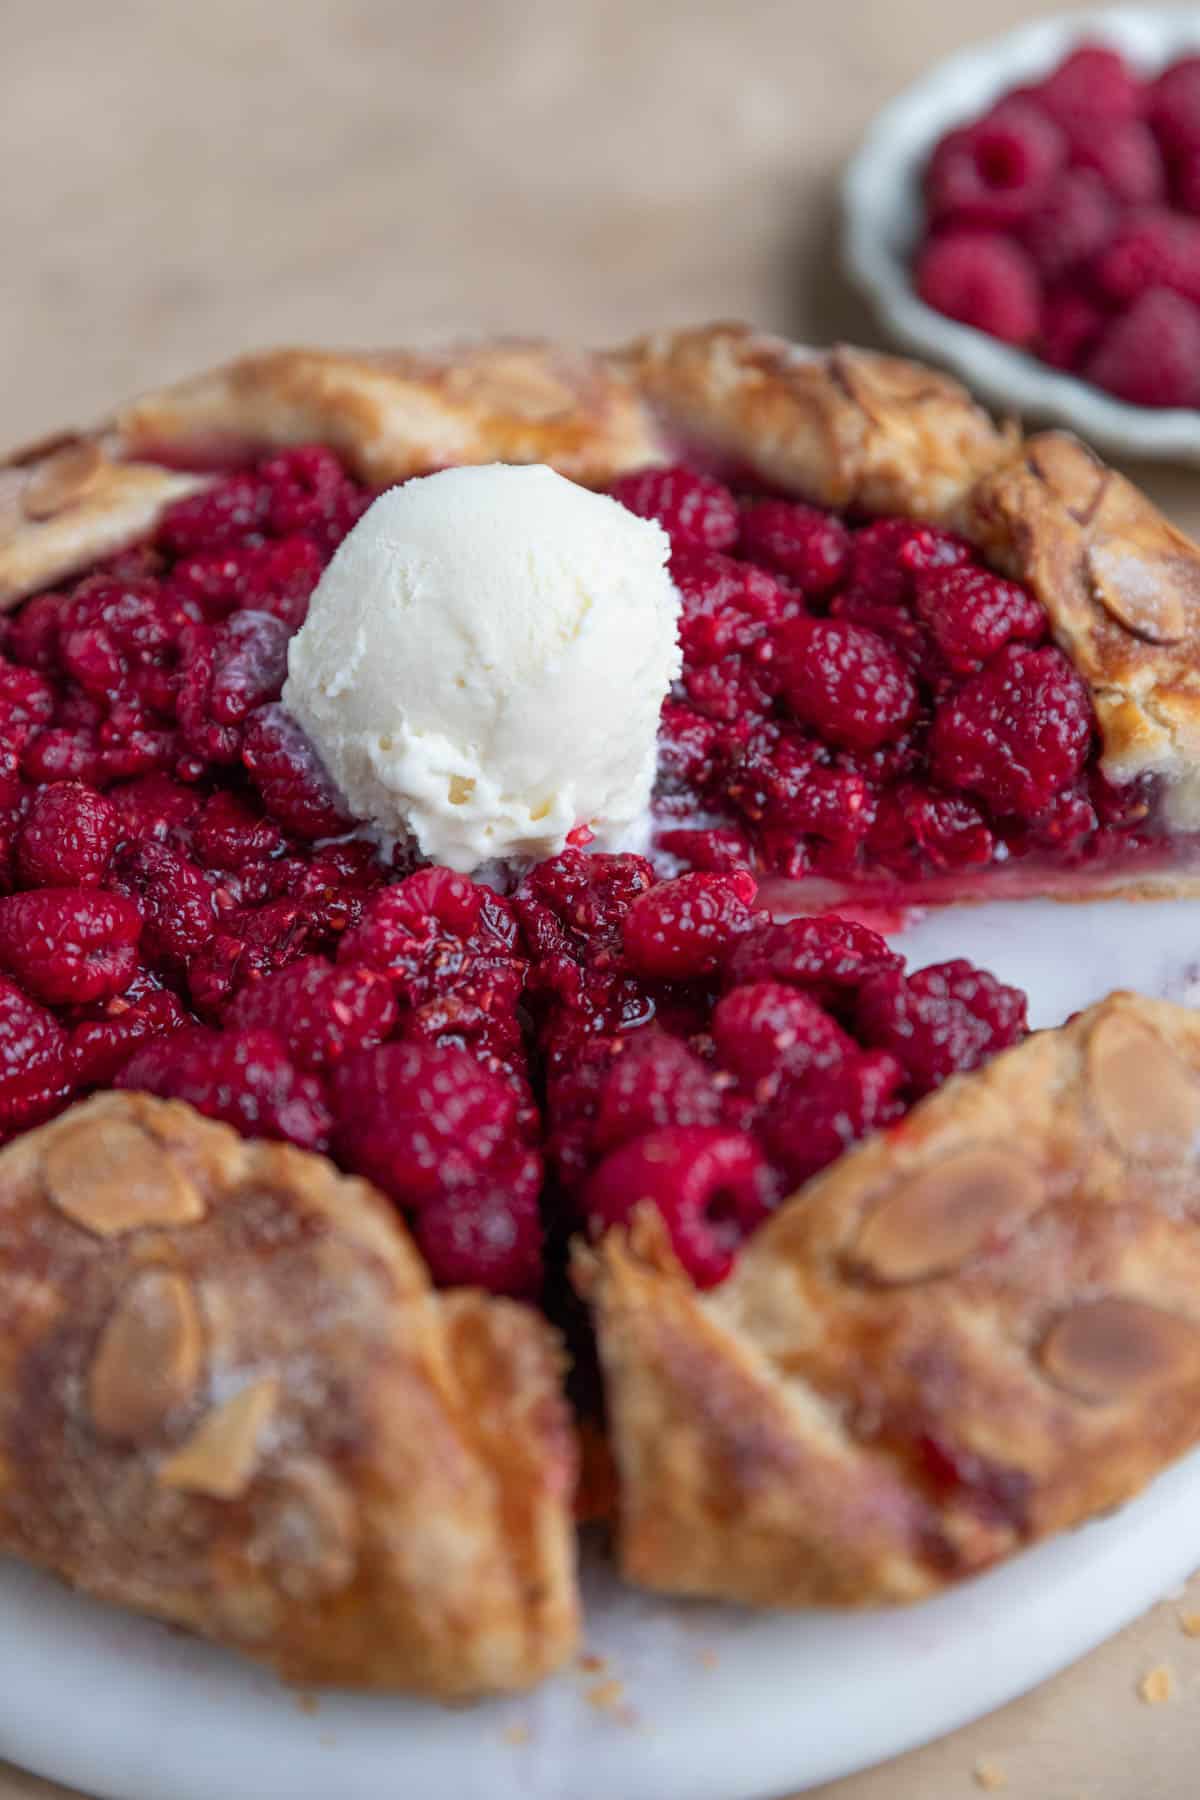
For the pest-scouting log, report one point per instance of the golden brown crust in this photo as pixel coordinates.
(973, 1331)
(230, 1397)
(397, 413)
(847, 428)
(1122, 588)
(68, 503)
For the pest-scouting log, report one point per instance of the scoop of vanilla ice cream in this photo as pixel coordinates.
(484, 661)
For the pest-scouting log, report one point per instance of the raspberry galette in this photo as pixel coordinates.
(313, 1159)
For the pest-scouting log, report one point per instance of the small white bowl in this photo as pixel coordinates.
(882, 216)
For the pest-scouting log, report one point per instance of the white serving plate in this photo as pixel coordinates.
(882, 213)
(712, 1704)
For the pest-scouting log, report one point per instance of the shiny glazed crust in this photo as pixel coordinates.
(975, 1330)
(848, 428)
(230, 1397)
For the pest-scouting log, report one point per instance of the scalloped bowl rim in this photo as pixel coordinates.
(881, 211)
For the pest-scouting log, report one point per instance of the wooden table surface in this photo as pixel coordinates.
(181, 182)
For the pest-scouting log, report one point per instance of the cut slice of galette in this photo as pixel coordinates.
(295, 1392)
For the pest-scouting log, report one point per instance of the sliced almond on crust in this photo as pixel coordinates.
(149, 1358)
(1136, 591)
(934, 1219)
(220, 1456)
(1119, 1349)
(62, 480)
(1147, 1097)
(110, 1176)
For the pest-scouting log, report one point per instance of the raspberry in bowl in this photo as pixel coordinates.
(1027, 214)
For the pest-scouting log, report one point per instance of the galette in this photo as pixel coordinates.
(369, 1216)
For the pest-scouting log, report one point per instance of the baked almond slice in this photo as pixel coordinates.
(239, 1405)
(977, 1329)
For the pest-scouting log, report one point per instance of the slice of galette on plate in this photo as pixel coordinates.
(380, 1001)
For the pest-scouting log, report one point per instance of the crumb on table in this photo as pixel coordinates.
(1156, 1685)
(606, 1696)
(989, 1775)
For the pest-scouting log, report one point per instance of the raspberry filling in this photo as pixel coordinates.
(1066, 220)
(185, 909)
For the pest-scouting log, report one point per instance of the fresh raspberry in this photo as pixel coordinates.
(229, 670)
(58, 755)
(156, 808)
(337, 880)
(1151, 354)
(282, 578)
(710, 1187)
(1125, 157)
(766, 1030)
(131, 746)
(231, 511)
(687, 744)
(973, 613)
(308, 492)
(1150, 249)
(1071, 324)
(489, 1236)
(917, 829)
(1066, 822)
(1185, 193)
(941, 1021)
(692, 508)
(477, 1012)
(786, 784)
(1173, 106)
(175, 900)
(826, 955)
(718, 849)
(120, 641)
(275, 578)
(34, 1075)
(732, 689)
(249, 944)
(26, 704)
(421, 1122)
(69, 944)
(1093, 83)
(33, 632)
(887, 555)
(810, 547)
(993, 173)
(812, 1121)
(845, 681)
(241, 1077)
(981, 279)
(652, 1081)
(581, 901)
(727, 606)
(432, 932)
(320, 1013)
(684, 929)
(1015, 733)
(286, 770)
(1074, 220)
(101, 1046)
(230, 833)
(67, 837)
